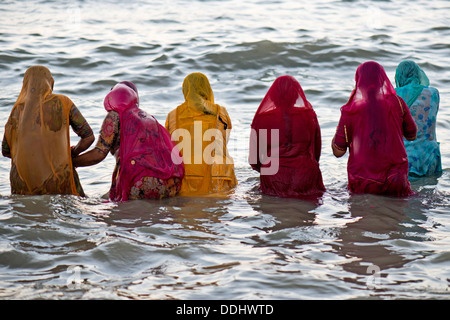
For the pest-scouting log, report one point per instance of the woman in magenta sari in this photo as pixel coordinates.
(285, 142)
(148, 165)
(372, 126)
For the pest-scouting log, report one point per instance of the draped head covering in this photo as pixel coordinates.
(372, 86)
(285, 93)
(38, 135)
(369, 103)
(286, 111)
(287, 97)
(208, 170)
(373, 120)
(424, 155)
(198, 94)
(146, 148)
(410, 80)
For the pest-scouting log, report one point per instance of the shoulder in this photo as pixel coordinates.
(172, 113)
(223, 113)
(434, 92)
(171, 120)
(113, 115)
(63, 98)
(65, 101)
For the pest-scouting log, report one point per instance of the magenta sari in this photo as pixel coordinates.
(372, 126)
(146, 148)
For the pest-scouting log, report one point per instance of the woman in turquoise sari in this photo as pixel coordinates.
(412, 84)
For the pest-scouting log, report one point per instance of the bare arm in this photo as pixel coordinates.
(340, 141)
(409, 125)
(338, 152)
(318, 144)
(89, 158)
(5, 148)
(106, 140)
(82, 145)
(81, 127)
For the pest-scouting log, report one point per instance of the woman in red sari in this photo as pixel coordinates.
(285, 142)
(148, 164)
(372, 126)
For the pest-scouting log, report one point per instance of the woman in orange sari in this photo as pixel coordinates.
(204, 128)
(37, 138)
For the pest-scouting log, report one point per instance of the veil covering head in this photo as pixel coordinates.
(293, 136)
(209, 168)
(198, 95)
(146, 148)
(412, 84)
(38, 135)
(373, 119)
(370, 104)
(285, 97)
(410, 80)
(285, 93)
(371, 88)
(409, 72)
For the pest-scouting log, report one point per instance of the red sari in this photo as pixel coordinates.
(372, 126)
(288, 160)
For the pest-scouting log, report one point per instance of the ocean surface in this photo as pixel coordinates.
(240, 245)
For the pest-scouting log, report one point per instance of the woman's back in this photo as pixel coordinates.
(203, 128)
(413, 86)
(285, 143)
(37, 133)
(372, 125)
(295, 142)
(424, 156)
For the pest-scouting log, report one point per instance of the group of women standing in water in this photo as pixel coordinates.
(390, 134)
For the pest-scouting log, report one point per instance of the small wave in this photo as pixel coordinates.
(16, 56)
(126, 51)
(265, 54)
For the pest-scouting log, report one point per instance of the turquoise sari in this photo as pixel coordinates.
(424, 156)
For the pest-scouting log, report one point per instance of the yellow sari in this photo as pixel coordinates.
(37, 133)
(208, 166)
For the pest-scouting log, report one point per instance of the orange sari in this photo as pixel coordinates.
(37, 133)
(208, 166)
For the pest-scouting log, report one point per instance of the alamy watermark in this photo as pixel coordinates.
(73, 17)
(194, 153)
(374, 280)
(74, 279)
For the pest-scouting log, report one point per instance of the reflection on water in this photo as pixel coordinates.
(245, 245)
(240, 245)
(377, 221)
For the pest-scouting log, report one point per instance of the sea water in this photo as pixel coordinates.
(242, 244)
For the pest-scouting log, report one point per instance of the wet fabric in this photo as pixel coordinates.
(202, 127)
(287, 113)
(410, 76)
(145, 149)
(372, 126)
(37, 138)
(155, 188)
(424, 155)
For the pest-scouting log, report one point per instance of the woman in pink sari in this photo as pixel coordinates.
(285, 143)
(148, 165)
(372, 126)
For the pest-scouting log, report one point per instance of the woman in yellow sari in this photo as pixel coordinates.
(37, 138)
(204, 128)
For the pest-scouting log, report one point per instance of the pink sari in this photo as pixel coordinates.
(146, 148)
(372, 126)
